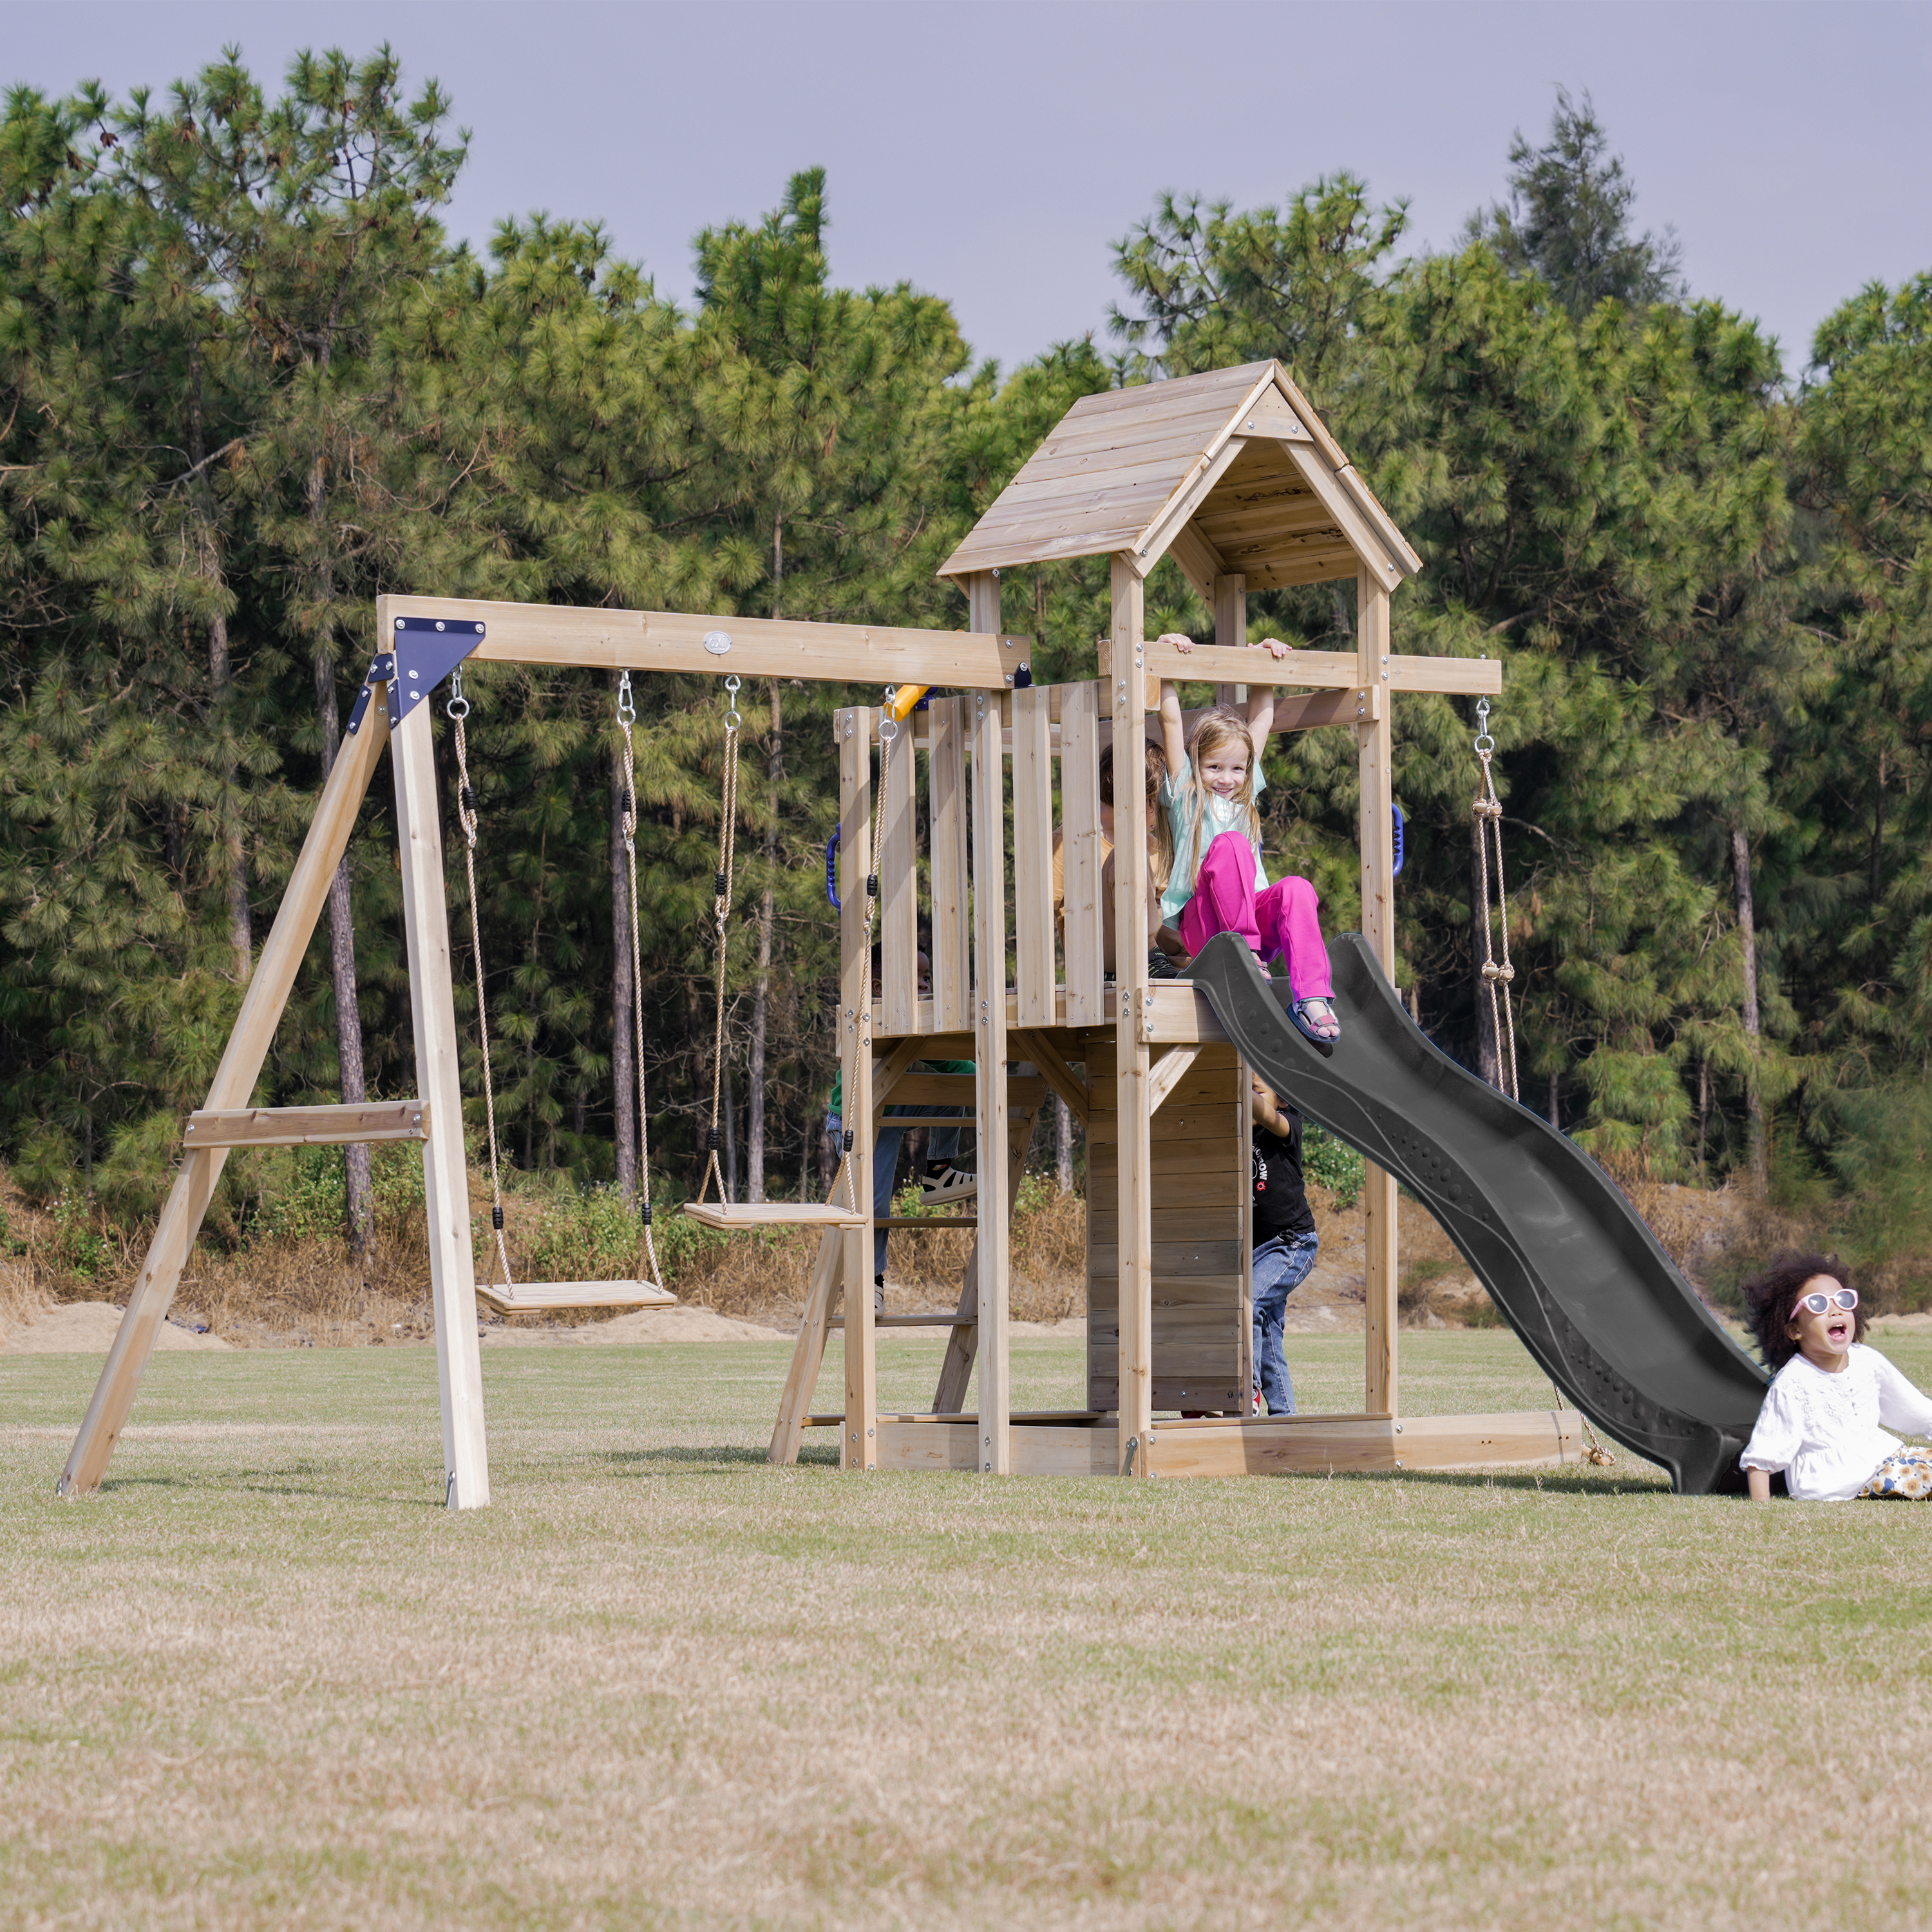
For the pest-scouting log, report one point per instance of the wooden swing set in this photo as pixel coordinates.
(1233, 474)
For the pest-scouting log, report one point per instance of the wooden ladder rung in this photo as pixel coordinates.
(935, 1320)
(309, 1127)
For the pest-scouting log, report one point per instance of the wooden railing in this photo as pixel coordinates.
(1055, 972)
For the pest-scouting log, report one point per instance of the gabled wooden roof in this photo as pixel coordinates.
(1232, 471)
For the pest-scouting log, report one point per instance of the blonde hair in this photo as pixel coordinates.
(1160, 840)
(1214, 730)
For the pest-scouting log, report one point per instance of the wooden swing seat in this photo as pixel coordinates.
(735, 1217)
(529, 1297)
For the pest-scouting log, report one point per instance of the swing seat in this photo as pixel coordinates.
(736, 1218)
(529, 1297)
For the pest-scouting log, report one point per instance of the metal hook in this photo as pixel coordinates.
(627, 709)
(732, 721)
(1485, 744)
(458, 706)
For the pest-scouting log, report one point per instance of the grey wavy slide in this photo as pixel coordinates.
(1570, 1264)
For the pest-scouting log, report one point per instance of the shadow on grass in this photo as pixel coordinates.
(1550, 1482)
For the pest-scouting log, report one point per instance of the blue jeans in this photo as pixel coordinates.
(1281, 1266)
(944, 1144)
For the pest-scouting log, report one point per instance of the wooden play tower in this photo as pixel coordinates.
(1233, 474)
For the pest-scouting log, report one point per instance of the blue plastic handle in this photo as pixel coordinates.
(832, 870)
(1397, 810)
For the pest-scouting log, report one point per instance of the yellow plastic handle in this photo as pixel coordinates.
(905, 701)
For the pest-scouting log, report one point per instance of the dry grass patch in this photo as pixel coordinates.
(265, 1677)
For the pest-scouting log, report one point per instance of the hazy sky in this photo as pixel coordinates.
(991, 152)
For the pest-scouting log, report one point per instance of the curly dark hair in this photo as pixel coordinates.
(1771, 1295)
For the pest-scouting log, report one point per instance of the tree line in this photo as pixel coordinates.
(248, 383)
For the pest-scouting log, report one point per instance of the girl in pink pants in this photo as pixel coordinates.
(1218, 884)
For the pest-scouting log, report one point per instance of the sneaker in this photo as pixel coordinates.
(944, 1182)
(878, 1294)
(1160, 966)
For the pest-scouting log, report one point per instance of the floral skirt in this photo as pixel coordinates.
(1906, 1473)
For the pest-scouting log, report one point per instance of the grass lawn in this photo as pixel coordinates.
(264, 1678)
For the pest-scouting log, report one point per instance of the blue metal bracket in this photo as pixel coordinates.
(382, 669)
(426, 650)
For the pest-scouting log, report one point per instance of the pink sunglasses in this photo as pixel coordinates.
(1847, 1298)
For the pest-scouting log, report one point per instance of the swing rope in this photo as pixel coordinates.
(458, 710)
(627, 714)
(727, 841)
(1496, 977)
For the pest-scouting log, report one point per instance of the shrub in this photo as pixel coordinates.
(1335, 1165)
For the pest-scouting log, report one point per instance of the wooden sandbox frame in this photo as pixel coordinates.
(1224, 470)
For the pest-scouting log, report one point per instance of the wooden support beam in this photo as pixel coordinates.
(873, 655)
(1324, 670)
(889, 1071)
(1230, 606)
(1166, 1073)
(989, 1009)
(1040, 1049)
(858, 1444)
(234, 1081)
(308, 1127)
(465, 1459)
(1374, 758)
(1135, 1150)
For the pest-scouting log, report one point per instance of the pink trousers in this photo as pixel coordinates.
(1282, 918)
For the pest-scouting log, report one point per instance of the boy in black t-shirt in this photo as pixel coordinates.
(1285, 1243)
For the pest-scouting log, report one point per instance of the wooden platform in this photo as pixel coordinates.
(532, 1297)
(1257, 1446)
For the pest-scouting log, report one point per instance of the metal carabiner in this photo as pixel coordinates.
(1485, 744)
(627, 709)
(458, 706)
(732, 721)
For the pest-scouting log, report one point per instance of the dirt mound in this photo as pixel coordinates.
(89, 1328)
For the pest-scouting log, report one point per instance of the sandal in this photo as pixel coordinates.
(1315, 1019)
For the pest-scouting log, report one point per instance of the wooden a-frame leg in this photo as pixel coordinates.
(233, 1086)
(466, 1459)
(808, 1354)
(955, 1371)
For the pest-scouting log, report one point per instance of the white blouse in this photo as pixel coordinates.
(1821, 1427)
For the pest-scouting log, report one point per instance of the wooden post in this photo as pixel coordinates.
(466, 1457)
(994, 1244)
(858, 1444)
(234, 1085)
(1128, 697)
(1375, 751)
(1231, 627)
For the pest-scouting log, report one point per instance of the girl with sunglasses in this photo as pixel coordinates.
(1821, 1422)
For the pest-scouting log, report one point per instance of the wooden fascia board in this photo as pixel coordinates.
(1151, 545)
(1362, 536)
(1365, 498)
